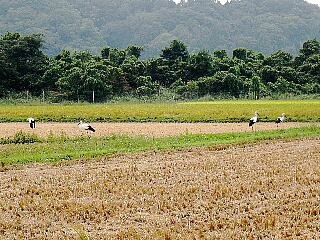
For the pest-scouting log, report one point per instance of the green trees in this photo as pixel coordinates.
(174, 61)
(78, 75)
(134, 51)
(22, 63)
(117, 72)
(307, 65)
(200, 65)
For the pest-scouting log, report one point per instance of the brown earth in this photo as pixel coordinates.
(269, 190)
(149, 129)
(262, 191)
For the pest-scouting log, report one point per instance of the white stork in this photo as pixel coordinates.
(85, 126)
(254, 119)
(32, 122)
(280, 119)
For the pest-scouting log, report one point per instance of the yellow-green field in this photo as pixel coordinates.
(215, 111)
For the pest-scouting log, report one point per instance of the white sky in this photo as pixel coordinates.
(314, 2)
(309, 1)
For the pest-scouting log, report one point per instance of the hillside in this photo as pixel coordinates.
(264, 26)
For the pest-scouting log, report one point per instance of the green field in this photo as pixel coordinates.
(214, 111)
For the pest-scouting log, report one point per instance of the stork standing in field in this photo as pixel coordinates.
(32, 122)
(85, 126)
(280, 119)
(254, 119)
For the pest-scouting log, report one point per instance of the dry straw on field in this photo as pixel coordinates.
(269, 190)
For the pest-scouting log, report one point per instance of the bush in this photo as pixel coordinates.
(21, 137)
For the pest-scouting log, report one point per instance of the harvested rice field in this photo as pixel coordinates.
(269, 190)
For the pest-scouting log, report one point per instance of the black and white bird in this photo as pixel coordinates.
(254, 119)
(280, 119)
(85, 126)
(32, 122)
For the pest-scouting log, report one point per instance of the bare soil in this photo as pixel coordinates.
(149, 129)
(269, 190)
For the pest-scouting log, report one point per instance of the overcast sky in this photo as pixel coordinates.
(314, 1)
(309, 1)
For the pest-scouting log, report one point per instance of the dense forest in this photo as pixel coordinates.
(77, 25)
(175, 73)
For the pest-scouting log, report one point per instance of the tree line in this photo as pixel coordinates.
(119, 72)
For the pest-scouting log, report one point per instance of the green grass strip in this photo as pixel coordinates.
(55, 149)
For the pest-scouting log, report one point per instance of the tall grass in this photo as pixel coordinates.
(55, 149)
(212, 111)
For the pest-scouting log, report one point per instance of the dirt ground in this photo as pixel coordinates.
(149, 129)
(268, 190)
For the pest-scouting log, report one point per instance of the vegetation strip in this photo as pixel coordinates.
(205, 111)
(24, 147)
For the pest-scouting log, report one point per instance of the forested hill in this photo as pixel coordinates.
(262, 25)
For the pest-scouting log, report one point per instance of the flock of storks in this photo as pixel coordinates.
(254, 119)
(87, 127)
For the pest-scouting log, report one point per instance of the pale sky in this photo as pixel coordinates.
(309, 1)
(314, 2)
